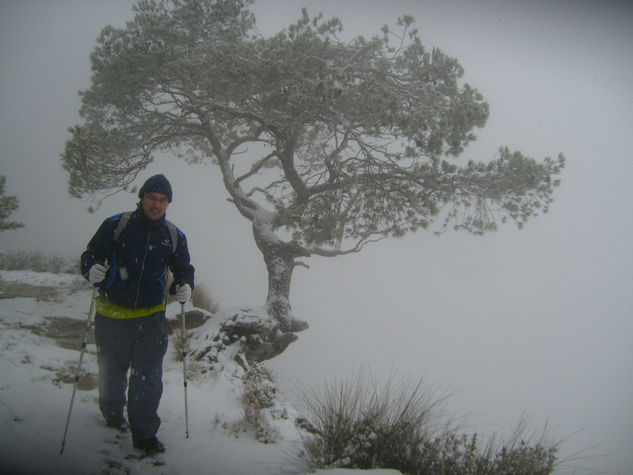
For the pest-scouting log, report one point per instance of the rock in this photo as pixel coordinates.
(260, 336)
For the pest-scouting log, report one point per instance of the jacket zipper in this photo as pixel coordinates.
(140, 277)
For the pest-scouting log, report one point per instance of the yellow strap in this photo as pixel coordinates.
(112, 310)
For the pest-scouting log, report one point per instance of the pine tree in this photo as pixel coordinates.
(323, 145)
(8, 204)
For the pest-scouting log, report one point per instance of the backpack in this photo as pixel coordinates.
(125, 217)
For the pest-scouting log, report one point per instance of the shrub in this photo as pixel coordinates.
(259, 393)
(180, 340)
(37, 261)
(357, 424)
(200, 297)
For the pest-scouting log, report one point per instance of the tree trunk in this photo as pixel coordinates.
(280, 261)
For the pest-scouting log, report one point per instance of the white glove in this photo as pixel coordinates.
(183, 293)
(96, 273)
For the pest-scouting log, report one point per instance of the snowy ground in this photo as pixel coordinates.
(34, 402)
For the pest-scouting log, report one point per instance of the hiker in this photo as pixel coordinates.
(128, 258)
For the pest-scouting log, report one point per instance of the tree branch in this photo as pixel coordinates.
(257, 166)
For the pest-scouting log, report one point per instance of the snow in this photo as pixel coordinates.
(34, 404)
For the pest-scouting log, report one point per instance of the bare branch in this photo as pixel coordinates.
(257, 166)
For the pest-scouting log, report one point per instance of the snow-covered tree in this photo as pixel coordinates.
(8, 204)
(324, 145)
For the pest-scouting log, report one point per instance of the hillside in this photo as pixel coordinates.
(42, 320)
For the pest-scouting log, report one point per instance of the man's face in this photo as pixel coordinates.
(154, 205)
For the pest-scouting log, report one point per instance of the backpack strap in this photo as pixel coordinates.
(125, 217)
(173, 233)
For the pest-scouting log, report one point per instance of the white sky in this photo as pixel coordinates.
(536, 322)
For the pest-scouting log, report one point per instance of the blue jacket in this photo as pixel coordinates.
(138, 261)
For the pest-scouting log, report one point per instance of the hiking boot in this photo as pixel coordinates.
(118, 423)
(149, 446)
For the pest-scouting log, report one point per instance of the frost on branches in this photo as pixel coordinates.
(323, 145)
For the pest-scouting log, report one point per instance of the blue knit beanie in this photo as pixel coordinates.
(158, 184)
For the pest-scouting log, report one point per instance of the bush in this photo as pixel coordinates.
(359, 425)
(37, 261)
(258, 394)
(180, 341)
(457, 454)
(200, 297)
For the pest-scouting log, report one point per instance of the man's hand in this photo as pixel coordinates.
(183, 293)
(96, 273)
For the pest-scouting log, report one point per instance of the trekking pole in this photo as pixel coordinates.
(81, 357)
(184, 364)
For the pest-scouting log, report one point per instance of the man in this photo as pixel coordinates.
(128, 261)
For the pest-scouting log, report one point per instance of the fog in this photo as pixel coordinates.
(535, 322)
